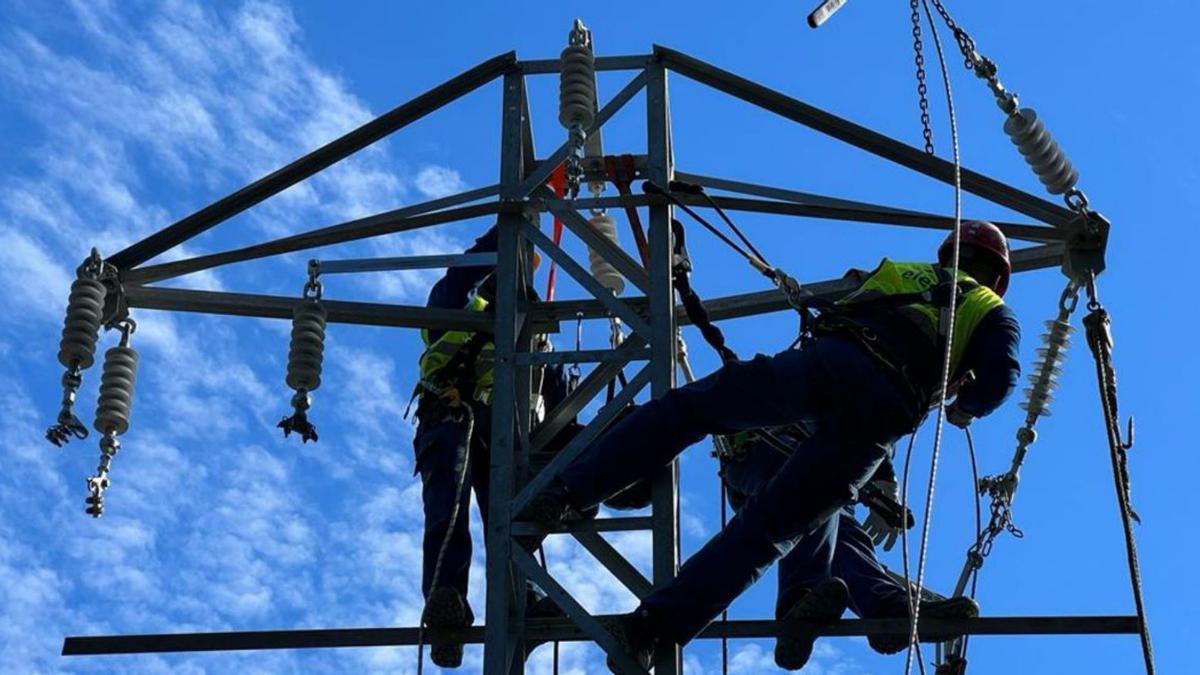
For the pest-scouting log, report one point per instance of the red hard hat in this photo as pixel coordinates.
(984, 236)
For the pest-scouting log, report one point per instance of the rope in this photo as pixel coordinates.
(724, 612)
(978, 522)
(437, 566)
(908, 587)
(915, 608)
(1100, 341)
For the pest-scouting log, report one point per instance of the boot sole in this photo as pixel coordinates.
(445, 610)
(824, 603)
(955, 608)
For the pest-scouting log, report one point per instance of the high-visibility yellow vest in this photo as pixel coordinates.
(442, 350)
(975, 301)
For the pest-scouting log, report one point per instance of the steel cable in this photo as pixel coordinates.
(915, 607)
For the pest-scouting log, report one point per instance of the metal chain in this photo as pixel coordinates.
(922, 89)
(966, 44)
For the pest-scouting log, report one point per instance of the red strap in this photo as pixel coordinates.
(558, 183)
(622, 175)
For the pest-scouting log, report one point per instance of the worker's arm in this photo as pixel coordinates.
(454, 289)
(994, 357)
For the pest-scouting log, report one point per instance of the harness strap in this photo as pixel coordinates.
(558, 183)
(693, 306)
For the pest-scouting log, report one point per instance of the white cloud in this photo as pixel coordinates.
(439, 181)
(213, 519)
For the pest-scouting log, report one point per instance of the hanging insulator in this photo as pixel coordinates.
(307, 351)
(605, 273)
(113, 411)
(116, 390)
(577, 80)
(1044, 379)
(81, 328)
(1041, 151)
(305, 356)
(77, 349)
(577, 99)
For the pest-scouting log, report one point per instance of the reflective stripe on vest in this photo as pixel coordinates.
(893, 278)
(438, 354)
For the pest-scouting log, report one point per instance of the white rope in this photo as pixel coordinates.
(915, 607)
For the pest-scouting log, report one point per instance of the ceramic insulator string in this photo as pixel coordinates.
(81, 328)
(307, 350)
(605, 273)
(1041, 151)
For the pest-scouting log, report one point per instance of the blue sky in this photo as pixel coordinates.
(118, 118)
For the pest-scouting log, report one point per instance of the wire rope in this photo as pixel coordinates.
(915, 607)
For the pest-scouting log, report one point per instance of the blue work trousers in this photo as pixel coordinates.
(441, 447)
(856, 410)
(838, 548)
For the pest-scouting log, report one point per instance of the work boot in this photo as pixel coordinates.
(549, 507)
(821, 605)
(445, 608)
(633, 635)
(946, 608)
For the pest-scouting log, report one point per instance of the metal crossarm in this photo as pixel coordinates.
(557, 629)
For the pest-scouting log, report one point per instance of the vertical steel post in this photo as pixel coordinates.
(504, 598)
(660, 169)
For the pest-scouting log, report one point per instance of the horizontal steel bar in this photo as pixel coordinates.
(765, 302)
(616, 524)
(390, 222)
(823, 207)
(313, 162)
(862, 137)
(416, 262)
(548, 66)
(280, 307)
(558, 629)
(581, 356)
(866, 212)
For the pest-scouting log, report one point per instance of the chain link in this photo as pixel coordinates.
(966, 44)
(922, 89)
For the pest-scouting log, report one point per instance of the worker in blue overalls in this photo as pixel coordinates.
(834, 567)
(451, 445)
(866, 378)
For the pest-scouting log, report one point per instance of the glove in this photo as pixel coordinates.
(876, 525)
(958, 418)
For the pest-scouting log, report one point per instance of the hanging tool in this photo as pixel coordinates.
(113, 411)
(77, 349)
(305, 355)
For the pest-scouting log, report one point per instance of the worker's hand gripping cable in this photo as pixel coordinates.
(305, 355)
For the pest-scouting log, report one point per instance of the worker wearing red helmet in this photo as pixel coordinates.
(867, 377)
